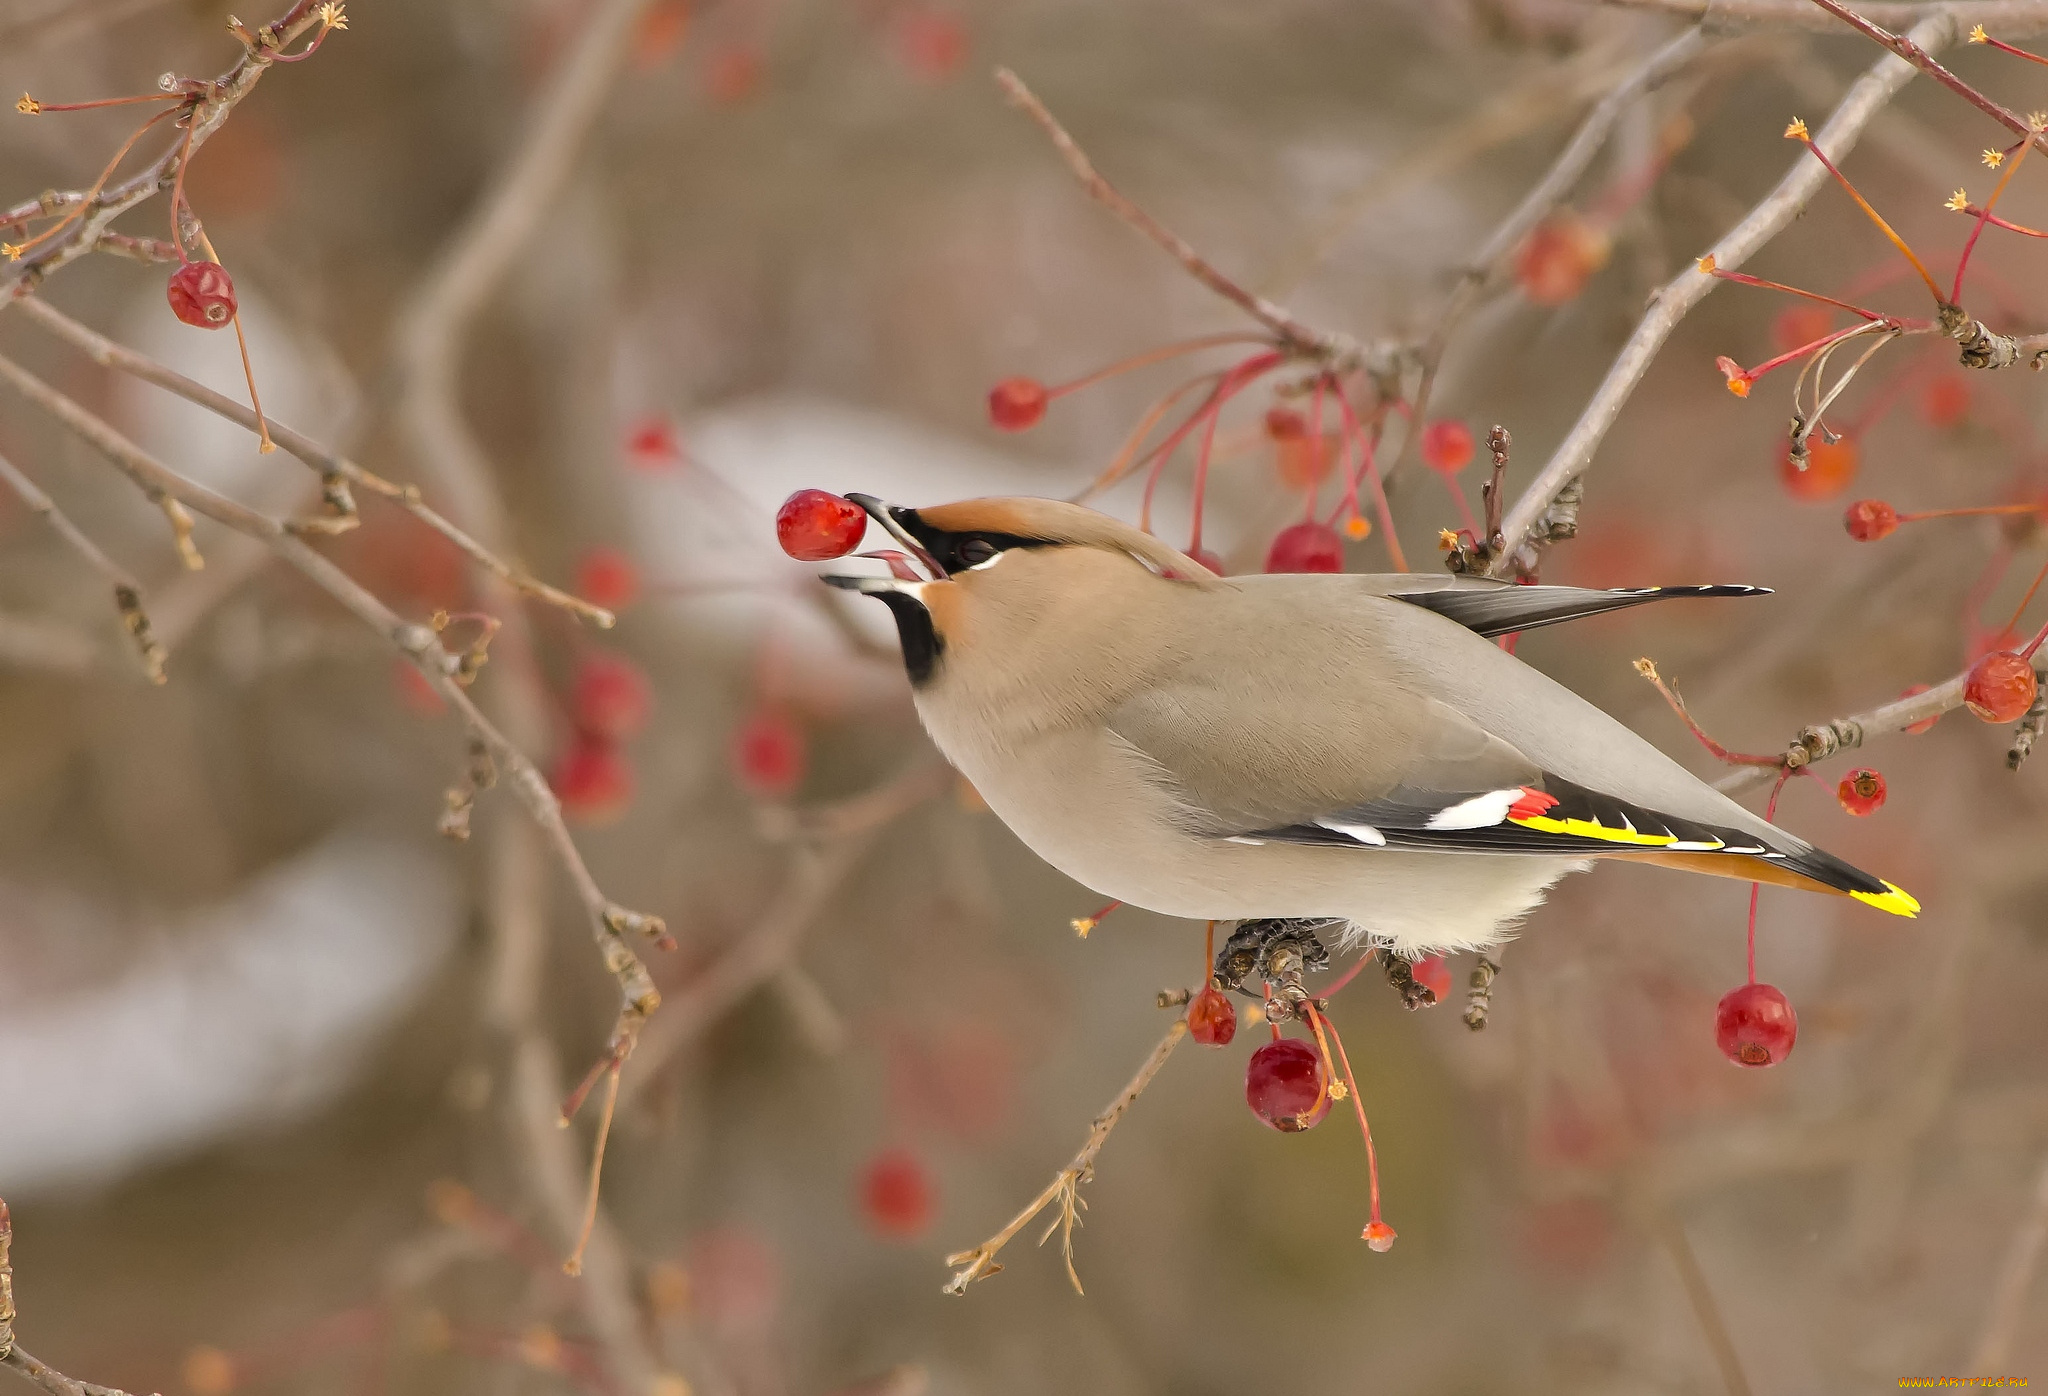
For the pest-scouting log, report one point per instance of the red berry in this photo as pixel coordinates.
(1284, 1085)
(1861, 791)
(1433, 974)
(1916, 728)
(611, 698)
(202, 294)
(1306, 547)
(1303, 460)
(1212, 1020)
(652, 443)
(1946, 400)
(1829, 469)
(768, 754)
(813, 525)
(593, 781)
(1379, 1236)
(1017, 404)
(932, 44)
(1447, 446)
(607, 577)
(1800, 325)
(1870, 519)
(1285, 424)
(2000, 687)
(896, 1195)
(1559, 256)
(733, 75)
(659, 33)
(1755, 1026)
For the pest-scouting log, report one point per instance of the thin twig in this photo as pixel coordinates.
(1915, 53)
(980, 1262)
(1701, 1295)
(1574, 455)
(2013, 16)
(127, 591)
(1291, 331)
(2003, 1316)
(331, 465)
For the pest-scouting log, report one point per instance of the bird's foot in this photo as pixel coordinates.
(1268, 957)
(1479, 995)
(1401, 974)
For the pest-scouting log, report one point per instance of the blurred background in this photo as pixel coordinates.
(259, 1123)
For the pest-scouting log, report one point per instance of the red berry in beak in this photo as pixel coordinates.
(1755, 1026)
(814, 526)
(202, 294)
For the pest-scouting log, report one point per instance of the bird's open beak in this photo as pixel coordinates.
(891, 518)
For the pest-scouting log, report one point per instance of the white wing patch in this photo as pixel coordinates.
(1364, 833)
(1479, 812)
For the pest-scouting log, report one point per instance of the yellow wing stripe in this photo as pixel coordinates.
(1589, 829)
(1896, 900)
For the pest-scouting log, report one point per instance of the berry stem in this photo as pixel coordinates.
(1371, 471)
(1202, 488)
(1208, 955)
(1770, 813)
(1974, 509)
(2021, 609)
(1127, 456)
(1978, 36)
(1997, 222)
(1350, 974)
(1275, 1027)
(2012, 165)
(1315, 434)
(1234, 381)
(178, 191)
(1648, 669)
(264, 445)
(574, 1264)
(1797, 131)
(1457, 490)
(34, 107)
(1826, 341)
(14, 252)
(1372, 1160)
(1153, 356)
(1707, 265)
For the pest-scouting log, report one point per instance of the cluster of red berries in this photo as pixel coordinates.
(610, 702)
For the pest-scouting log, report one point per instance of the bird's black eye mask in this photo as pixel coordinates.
(963, 552)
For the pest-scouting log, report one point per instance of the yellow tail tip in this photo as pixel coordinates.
(1896, 900)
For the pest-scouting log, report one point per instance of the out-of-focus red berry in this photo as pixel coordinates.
(1208, 560)
(2000, 687)
(593, 781)
(897, 1195)
(1447, 446)
(1304, 460)
(736, 1280)
(1945, 401)
(1559, 257)
(1433, 973)
(1285, 1087)
(768, 754)
(1755, 1026)
(413, 688)
(1830, 468)
(1914, 729)
(651, 444)
(1869, 520)
(1017, 404)
(659, 34)
(607, 577)
(932, 44)
(1212, 1019)
(611, 698)
(1285, 424)
(814, 525)
(1306, 547)
(209, 1372)
(1802, 324)
(733, 74)
(1861, 791)
(202, 294)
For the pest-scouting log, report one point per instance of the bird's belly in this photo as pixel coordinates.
(1085, 804)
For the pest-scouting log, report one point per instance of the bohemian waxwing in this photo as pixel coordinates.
(1315, 747)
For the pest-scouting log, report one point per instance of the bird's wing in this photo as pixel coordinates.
(1383, 767)
(1490, 607)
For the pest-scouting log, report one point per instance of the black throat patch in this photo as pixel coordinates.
(921, 643)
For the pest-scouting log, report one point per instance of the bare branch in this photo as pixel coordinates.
(2013, 16)
(1065, 1188)
(1700, 1294)
(1847, 733)
(1574, 455)
(127, 591)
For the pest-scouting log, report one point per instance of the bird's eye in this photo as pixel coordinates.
(976, 551)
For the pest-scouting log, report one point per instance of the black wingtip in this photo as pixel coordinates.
(1718, 589)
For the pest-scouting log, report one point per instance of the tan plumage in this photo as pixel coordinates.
(1288, 746)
